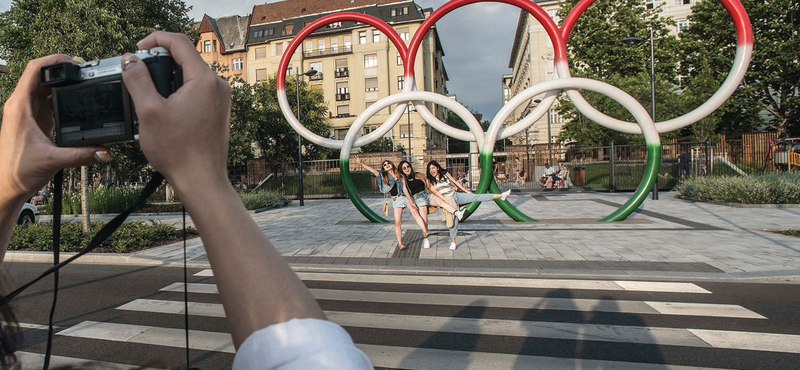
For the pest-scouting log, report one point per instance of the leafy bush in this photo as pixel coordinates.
(101, 200)
(128, 237)
(262, 199)
(773, 188)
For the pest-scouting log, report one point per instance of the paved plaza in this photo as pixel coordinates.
(670, 237)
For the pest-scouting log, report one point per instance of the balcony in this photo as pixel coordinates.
(343, 97)
(328, 51)
(341, 72)
(316, 77)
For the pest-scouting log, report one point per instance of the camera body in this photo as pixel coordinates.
(91, 104)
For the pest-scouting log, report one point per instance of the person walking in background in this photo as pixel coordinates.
(683, 164)
(446, 186)
(392, 181)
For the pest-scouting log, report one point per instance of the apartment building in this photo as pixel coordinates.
(357, 64)
(223, 41)
(532, 61)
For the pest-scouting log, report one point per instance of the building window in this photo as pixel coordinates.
(403, 33)
(289, 70)
(376, 36)
(261, 74)
(278, 48)
(288, 29)
(370, 60)
(238, 64)
(406, 131)
(321, 46)
(334, 45)
(368, 129)
(309, 47)
(683, 2)
(269, 32)
(362, 37)
(683, 24)
(652, 4)
(261, 53)
(317, 66)
(399, 59)
(214, 46)
(259, 33)
(400, 82)
(347, 43)
(371, 84)
(343, 111)
(394, 12)
(342, 91)
(207, 46)
(341, 68)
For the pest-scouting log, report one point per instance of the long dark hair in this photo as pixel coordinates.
(439, 169)
(400, 166)
(385, 173)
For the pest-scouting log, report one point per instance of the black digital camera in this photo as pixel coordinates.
(91, 104)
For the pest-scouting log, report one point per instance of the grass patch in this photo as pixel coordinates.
(130, 237)
(770, 188)
(788, 232)
(262, 199)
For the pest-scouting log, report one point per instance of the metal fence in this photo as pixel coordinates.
(606, 168)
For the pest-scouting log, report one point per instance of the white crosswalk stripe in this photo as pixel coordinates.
(428, 323)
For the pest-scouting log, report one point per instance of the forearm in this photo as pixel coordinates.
(257, 287)
(9, 209)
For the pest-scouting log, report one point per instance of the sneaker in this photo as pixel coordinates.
(505, 194)
(452, 246)
(459, 214)
(425, 243)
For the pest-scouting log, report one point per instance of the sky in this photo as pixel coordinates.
(477, 42)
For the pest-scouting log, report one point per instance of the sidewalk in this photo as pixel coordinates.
(665, 238)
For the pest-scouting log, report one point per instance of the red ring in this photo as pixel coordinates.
(744, 31)
(559, 46)
(328, 19)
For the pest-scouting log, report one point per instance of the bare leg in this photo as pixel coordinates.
(443, 205)
(422, 224)
(398, 219)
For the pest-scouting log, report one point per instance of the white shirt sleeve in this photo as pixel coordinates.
(302, 344)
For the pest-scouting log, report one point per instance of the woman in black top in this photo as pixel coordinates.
(417, 187)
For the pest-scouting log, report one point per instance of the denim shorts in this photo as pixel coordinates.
(399, 201)
(423, 198)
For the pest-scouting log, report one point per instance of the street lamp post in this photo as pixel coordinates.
(408, 114)
(631, 41)
(308, 73)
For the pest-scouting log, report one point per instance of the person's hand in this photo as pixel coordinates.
(185, 136)
(28, 158)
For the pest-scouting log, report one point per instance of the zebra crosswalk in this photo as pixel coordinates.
(451, 322)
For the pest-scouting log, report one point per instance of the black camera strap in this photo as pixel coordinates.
(98, 239)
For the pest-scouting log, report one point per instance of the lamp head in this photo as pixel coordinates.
(310, 72)
(631, 41)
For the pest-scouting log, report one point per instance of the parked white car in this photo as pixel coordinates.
(29, 214)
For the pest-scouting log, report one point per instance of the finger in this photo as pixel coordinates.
(76, 157)
(139, 84)
(179, 46)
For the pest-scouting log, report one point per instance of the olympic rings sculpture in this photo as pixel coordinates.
(485, 140)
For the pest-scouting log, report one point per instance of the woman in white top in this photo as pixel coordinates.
(447, 186)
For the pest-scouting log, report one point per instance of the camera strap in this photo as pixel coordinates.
(98, 239)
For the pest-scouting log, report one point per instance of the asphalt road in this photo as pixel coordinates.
(444, 322)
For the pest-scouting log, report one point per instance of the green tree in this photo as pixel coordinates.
(458, 146)
(596, 51)
(273, 135)
(383, 144)
(771, 83)
(91, 29)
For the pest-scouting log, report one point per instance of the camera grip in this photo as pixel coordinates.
(167, 75)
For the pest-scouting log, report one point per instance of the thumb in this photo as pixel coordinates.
(139, 83)
(76, 157)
